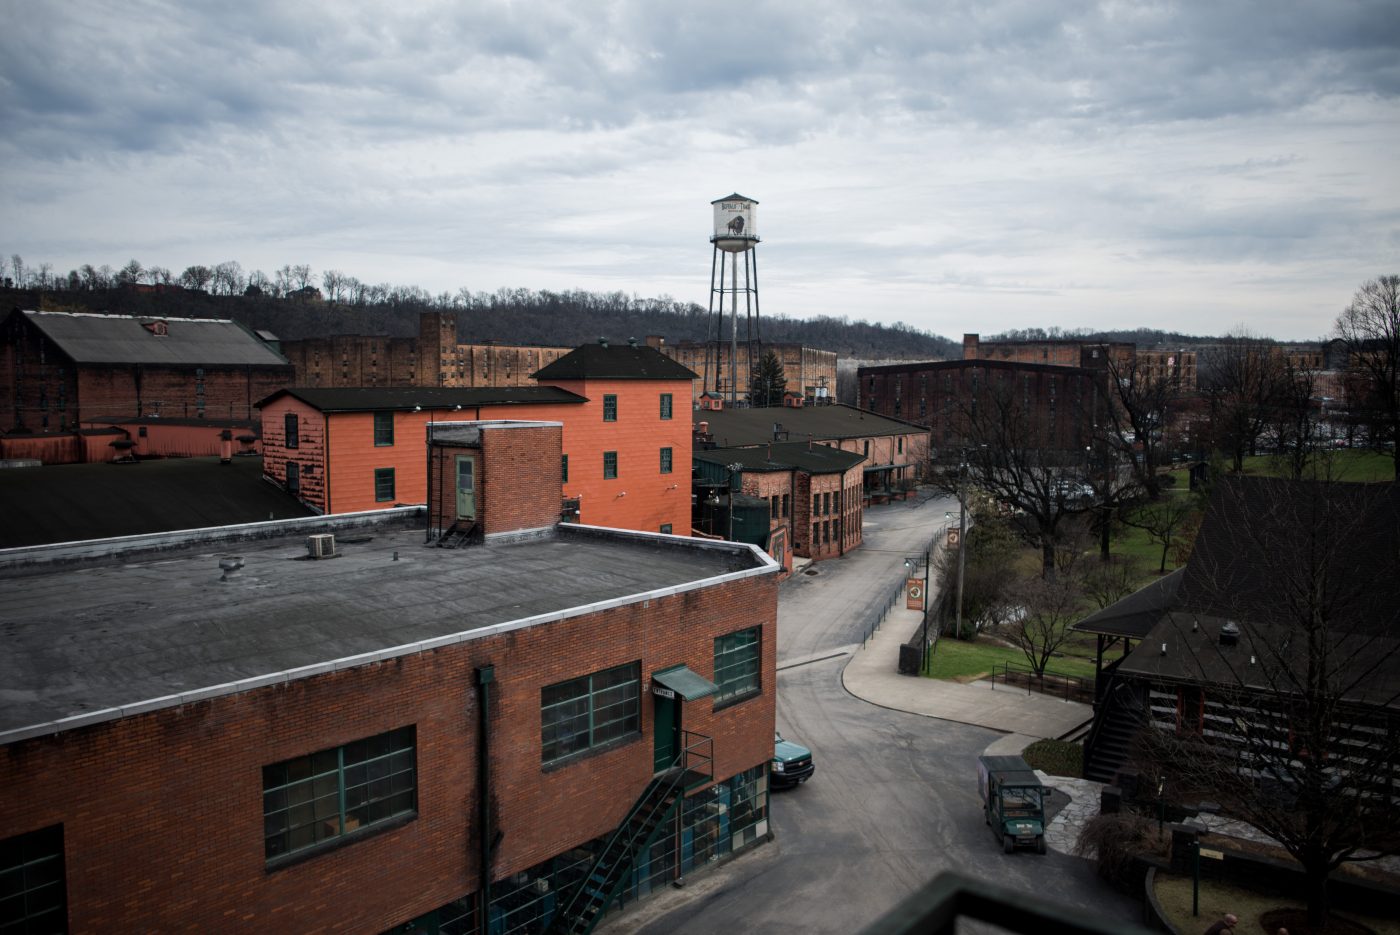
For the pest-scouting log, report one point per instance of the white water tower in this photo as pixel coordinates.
(733, 363)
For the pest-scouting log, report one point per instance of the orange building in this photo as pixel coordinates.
(626, 438)
(346, 450)
(627, 448)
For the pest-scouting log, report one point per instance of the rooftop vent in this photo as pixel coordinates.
(321, 545)
(603, 341)
(1230, 633)
(229, 565)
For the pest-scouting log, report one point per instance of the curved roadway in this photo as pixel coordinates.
(893, 801)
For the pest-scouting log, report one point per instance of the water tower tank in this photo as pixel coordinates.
(736, 223)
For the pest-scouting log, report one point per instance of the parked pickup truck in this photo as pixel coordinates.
(1013, 802)
(792, 763)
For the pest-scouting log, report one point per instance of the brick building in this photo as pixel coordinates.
(434, 358)
(895, 451)
(625, 451)
(808, 497)
(395, 736)
(1158, 363)
(61, 370)
(810, 372)
(1060, 402)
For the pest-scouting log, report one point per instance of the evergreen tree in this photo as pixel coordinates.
(769, 382)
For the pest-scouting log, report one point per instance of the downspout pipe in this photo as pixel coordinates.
(485, 676)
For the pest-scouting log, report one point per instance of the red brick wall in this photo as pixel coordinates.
(516, 476)
(768, 485)
(162, 812)
(38, 384)
(310, 453)
(225, 393)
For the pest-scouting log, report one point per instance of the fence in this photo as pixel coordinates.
(1071, 687)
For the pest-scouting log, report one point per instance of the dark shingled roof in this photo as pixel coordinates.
(366, 398)
(120, 339)
(1262, 539)
(1135, 615)
(743, 427)
(609, 362)
(814, 459)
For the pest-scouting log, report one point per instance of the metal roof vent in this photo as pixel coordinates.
(1230, 633)
(229, 565)
(321, 545)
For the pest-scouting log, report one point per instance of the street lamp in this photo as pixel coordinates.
(912, 562)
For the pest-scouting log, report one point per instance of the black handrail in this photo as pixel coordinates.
(1085, 685)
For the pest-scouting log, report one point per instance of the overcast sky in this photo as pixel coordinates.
(956, 166)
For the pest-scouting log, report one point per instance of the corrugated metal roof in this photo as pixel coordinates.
(366, 398)
(121, 339)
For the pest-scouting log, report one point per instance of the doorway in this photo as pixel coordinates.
(466, 487)
(667, 733)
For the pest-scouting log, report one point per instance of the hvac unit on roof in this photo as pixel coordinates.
(321, 545)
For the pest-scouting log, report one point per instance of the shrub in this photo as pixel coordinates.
(1117, 841)
(1056, 757)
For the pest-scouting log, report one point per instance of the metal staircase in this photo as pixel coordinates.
(1116, 725)
(648, 819)
(460, 533)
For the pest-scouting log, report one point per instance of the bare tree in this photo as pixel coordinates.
(334, 282)
(17, 265)
(228, 278)
(1045, 608)
(1108, 582)
(1286, 671)
(301, 276)
(1370, 328)
(131, 273)
(1010, 457)
(1240, 379)
(196, 277)
(1294, 420)
(1163, 520)
(1136, 417)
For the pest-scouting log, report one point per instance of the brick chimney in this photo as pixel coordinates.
(970, 346)
(499, 479)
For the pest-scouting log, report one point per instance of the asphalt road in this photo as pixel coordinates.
(893, 801)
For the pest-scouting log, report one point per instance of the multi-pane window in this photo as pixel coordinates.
(816, 504)
(590, 711)
(383, 484)
(736, 665)
(291, 430)
(665, 405)
(666, 528)
(383, 429)
(773, 507)
(787, 505)
(609, 407)
(331, 793)
(665, 460)
(564, 468)
(33, 891)
(826, 504)
(609, 465)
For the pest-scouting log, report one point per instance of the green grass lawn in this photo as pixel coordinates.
(1354, 465)
(957, 659)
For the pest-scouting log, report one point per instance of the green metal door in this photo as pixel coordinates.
(667, 732)
(466, 487)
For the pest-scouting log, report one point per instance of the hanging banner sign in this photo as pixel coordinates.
(952, 538)
(914, 591)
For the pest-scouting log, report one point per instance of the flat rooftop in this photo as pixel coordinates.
(89, 642)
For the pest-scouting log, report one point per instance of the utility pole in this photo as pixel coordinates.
(962, 538)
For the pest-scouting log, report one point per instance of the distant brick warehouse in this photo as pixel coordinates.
(434, 358)
(395, 736)
(1174, 364)
(60, 370)
(810, 372)
(895, 451)
(1059, 401)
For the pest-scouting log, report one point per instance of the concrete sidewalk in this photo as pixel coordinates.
(872, 674)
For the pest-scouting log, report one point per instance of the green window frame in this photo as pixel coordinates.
(383, 484)
(665, 406)
(666, 528)
(383, 429)
(34, 882)
(591, 711)
(564, 468)
(331, 793)
(291, 431)
(665, 460)
(609, 407)
(736, 664)
(609, 465)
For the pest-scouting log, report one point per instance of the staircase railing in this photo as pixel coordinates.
(643, 824)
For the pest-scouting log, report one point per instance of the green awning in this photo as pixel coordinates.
(684, 681)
